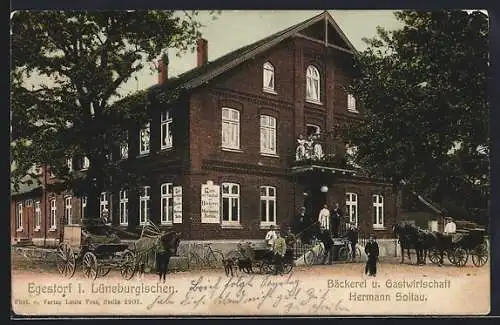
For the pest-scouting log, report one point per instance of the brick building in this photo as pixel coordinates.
(223, 162)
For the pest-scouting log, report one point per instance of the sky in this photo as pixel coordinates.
(236, 28)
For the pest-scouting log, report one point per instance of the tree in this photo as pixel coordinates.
(85, 57)
(424, 90)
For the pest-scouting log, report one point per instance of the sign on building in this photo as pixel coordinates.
(210, 203)
(177, 204)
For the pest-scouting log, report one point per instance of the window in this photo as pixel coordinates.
(124, 148)
(83, 212)
(144, 140)
(38, 216)
(53, 215)
(19, 216)
(267, 134)
(268, 77)
(312, 84)
(378, 211)
(123, 207)
(351, 103)
(144, 212)
(267, 205)
(351, 153)
(85, 163)
(104, 207)
(167, 203)
(230, 203)
(351, 202)
(69, 163)
(166, 130)
(230, 128)
(67, 210)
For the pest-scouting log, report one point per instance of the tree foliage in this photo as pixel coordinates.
(84, 58)
(424, 90)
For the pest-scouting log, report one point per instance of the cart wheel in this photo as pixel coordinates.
(343, 254)
(460, 256)
(435, 256)
(266, 268)
(309, 257)
(128, 265)
(451, 256)
(480, 255)
(90, 267)
(65, 260)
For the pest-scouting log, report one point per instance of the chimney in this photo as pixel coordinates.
(202, 51)
(163, 69)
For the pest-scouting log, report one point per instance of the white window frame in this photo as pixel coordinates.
(313, 77)
(68, 209)
(38, 216)
(167, 138)
(104, 200)
(167, 202)
(85, 163)
(378, 211)
(351, 103)
(145, 133)
(266, 199)
(268, 75)
(268, 135)
(53, 215)
(230, 128)
(231, 197)
(19, 216)
(124, 148)
(146, 198)
(124, 207)
(83, 208)
(351, 203)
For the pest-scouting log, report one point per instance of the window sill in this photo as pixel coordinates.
(167, 224)
(20, 229)
(83, 169)
(36, 229)
(268, 225)
(231, 150)
(52, 229)
(123, 224)
(167, 148)
(141, 155)
(379, 228)
(314, 101)
(271, 155)
(355, 111)
(231, 226)
(269, 91)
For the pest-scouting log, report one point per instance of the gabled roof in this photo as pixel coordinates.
(199, 75)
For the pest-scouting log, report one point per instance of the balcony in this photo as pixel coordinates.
(319, 153)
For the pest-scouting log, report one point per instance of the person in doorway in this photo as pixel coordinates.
(326, 238)
(279, 251)
(270, 237)
(336, 216)
(372, 252)
(352, 236)
(324, 218)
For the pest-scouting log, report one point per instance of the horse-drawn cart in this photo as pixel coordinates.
(458, 247)
(97, 253)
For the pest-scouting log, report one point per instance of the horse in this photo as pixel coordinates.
(159, 249)
(401, 231)
(413, 237)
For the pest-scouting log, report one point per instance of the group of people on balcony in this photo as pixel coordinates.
(309, 148)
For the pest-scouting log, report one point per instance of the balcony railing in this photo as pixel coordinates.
(317, 149)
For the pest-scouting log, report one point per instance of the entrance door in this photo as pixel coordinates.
(314, 202)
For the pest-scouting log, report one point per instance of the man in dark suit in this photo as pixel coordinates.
(372, 251)
(352, 236)
(335, 216)
(326, 238)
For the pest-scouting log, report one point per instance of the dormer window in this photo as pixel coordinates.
(313, 84)
(268, 78)
(351, 104)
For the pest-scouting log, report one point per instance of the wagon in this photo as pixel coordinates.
(264, 260)
(460, 246)
(97, 259)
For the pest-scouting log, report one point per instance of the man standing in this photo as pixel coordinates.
(279, 253)
(324, 218)
(450, 227)
(326, 239)
(270, 237)
(336, 216)
(372, 251)
(352, 236)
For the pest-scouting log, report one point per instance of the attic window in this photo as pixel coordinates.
(268, 77)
